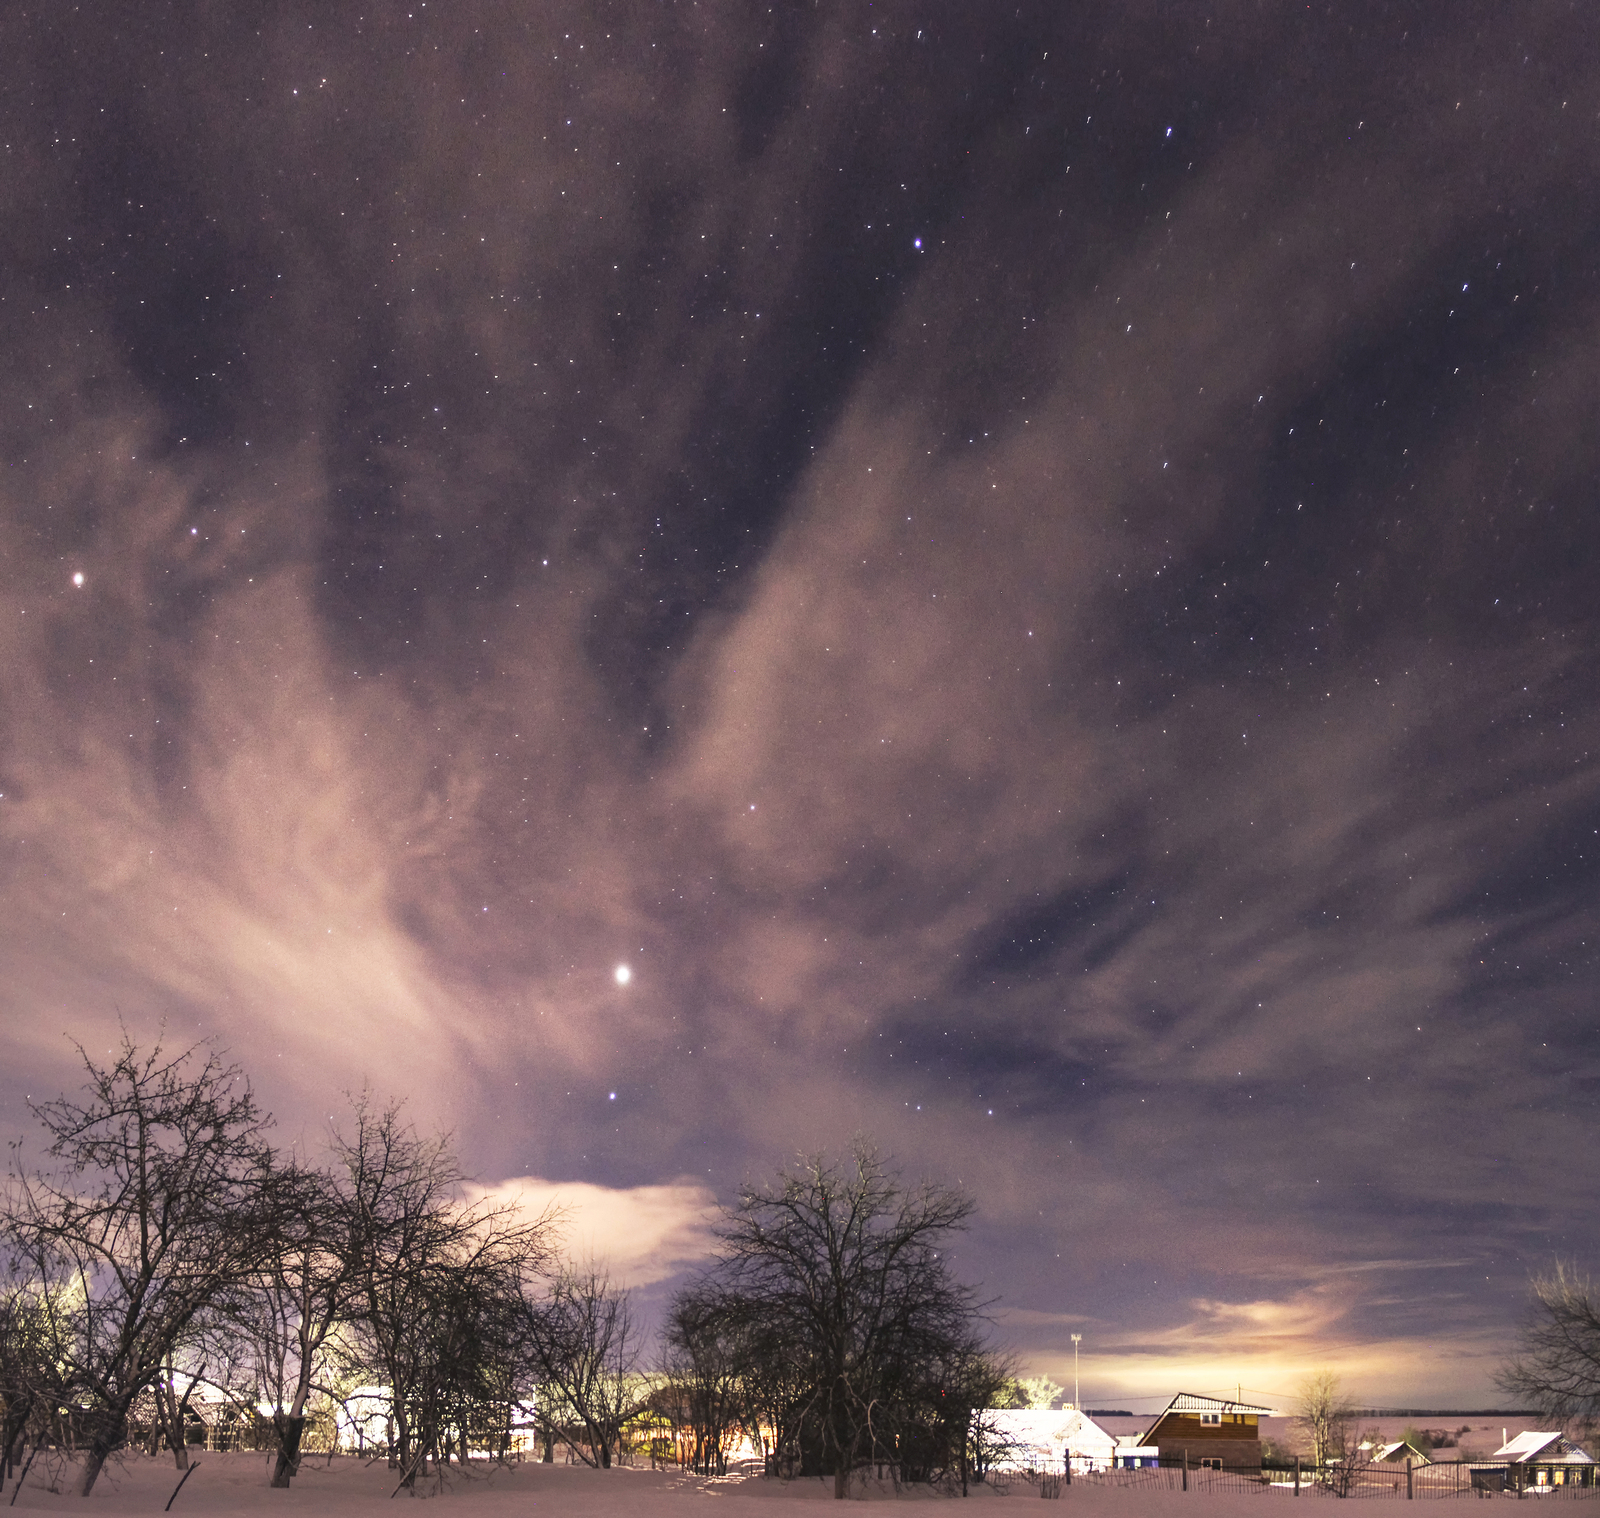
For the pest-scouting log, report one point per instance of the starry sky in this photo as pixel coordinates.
(1028, 570)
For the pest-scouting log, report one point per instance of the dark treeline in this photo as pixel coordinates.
(166, 1251)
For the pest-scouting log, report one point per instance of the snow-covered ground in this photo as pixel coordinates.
(225, 1485)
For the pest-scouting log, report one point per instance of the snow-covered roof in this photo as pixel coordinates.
(1037, 1437)
(1536, 1447)
(1051, 1426)
(1188, 1402)
(1398, 1449)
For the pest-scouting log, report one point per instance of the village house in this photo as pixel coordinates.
(1542, 1459)
(1041, 1439)
(1208, 1431)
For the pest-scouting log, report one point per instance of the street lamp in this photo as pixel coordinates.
(1077, 1339)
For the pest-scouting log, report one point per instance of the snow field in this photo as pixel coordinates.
(227, 1485)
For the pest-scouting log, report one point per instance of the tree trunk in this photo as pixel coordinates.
(178, 1438)
(841, 1480)
(18, 1410)
(289, 1430)
(100, 1447)
(107, 1434)
(170, 1411)
(402, 1429)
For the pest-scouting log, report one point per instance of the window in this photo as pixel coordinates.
(1211, 1420)
(1211, 1463)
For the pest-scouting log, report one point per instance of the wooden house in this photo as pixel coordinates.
(1536, 1459)
(1547, 1448)
(1208, 1431)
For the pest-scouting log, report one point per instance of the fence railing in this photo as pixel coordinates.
(1453, 1478)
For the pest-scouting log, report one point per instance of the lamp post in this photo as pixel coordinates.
(1077, 1339)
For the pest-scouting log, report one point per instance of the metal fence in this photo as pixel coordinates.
(1459, 1478)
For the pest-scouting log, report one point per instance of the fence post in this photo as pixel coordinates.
(1297, 1475)
(1409, 1492)
(1186, 1470)
(1067, 1461)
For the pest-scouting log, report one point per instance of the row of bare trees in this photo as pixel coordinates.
(164, 1245)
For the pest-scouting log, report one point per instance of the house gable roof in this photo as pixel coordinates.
(1057, 1423)
(1398, 1449)
(1537, 1447)
(1188, 1402)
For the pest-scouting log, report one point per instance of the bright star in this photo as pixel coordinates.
(77, 579)
(624, 975)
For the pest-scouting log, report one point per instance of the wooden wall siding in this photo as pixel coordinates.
(1176, 1426)
(1246, 1452)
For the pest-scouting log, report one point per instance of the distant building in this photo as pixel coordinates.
(1208, 1431)
(1396, 1453)
(1542, 1449)
(1534, 1460)
(1040, 1439)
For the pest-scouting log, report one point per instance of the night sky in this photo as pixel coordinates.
(1029, 571)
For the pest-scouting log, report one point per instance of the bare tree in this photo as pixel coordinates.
(169, 1396)
(437, 1285)
(32, 1387)
(588, 1354)
(475, 1371)
(706, 1364)
(151, 1214)
(946, 1429)
(776, 1385)
(1351, 1453)
(1557, 1366)
(839, 1268)
(296, 1297)
(1323, 1413)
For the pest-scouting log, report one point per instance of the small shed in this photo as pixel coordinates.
(1133, 1454)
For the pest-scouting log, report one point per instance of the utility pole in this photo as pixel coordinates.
(1077, 1339)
